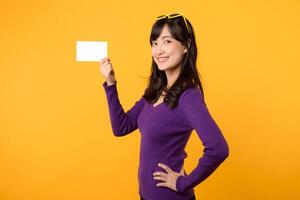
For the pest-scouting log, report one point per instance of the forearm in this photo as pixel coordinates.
(207, 164)
(122, 123)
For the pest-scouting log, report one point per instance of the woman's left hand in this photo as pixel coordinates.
(169, 178)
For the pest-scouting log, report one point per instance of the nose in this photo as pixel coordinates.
(159, 50)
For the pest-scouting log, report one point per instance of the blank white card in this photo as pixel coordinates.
(91, 50)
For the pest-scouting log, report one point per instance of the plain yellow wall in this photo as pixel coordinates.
(56, 140)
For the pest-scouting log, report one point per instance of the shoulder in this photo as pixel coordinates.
(191, 105)
(142, 99)
(191, 94)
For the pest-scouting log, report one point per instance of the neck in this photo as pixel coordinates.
(172, 76)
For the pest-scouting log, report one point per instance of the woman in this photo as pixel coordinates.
(171, 107)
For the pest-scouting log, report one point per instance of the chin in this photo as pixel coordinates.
(162, 68)
(165, 68)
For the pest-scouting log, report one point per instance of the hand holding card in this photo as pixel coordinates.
(93, 51)
(107, 71)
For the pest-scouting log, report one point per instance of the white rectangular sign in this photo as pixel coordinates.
(91, 50)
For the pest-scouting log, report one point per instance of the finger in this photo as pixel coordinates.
(165, 167)
(160, 178)
(107, 64)
(103, 60)
(160, 174)
(163, 184)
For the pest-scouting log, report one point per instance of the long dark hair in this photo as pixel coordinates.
(188, 77)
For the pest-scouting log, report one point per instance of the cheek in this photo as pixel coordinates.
(177, 55)
(152, 52)
(174, 50)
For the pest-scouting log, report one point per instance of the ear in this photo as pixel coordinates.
(188, 46)
(185, 50)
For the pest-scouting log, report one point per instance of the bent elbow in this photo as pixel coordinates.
(118, 132)
(122, 129)
(222, 152)
(225, 152)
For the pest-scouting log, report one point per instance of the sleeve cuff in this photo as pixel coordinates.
(180, 184)
(105, 86)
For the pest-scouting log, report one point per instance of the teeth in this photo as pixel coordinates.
(162, 59)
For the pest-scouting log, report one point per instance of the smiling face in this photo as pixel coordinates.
(167, 52)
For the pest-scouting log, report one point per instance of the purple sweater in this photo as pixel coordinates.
(164, 135)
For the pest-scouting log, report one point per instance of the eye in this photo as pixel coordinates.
(167, 41)
(153, 43)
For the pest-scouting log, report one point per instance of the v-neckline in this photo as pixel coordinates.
(152, 105)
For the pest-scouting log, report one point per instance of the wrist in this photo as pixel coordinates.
(110, 82)
(179, 184)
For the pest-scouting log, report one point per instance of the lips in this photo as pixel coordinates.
(162, 59)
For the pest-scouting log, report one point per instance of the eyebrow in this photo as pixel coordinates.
(166, 36)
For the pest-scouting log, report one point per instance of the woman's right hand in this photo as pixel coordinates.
(107, 71)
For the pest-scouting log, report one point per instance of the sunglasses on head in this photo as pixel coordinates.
(170, 16)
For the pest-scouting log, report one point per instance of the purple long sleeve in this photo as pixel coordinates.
(122, 123)
(216, 149)
(164, 135)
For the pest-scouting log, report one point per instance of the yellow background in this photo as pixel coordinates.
(56, 140)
